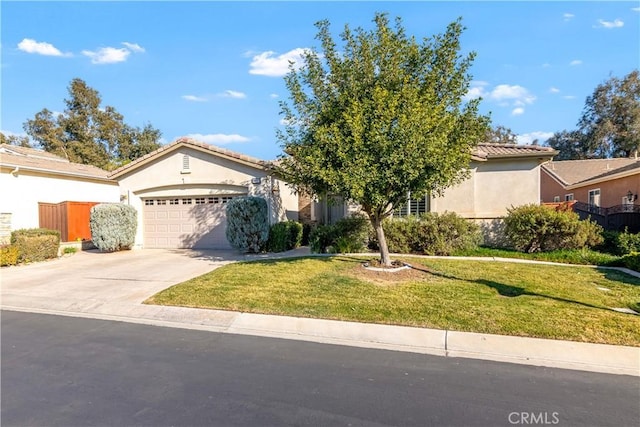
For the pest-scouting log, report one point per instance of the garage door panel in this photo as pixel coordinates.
(169, 225)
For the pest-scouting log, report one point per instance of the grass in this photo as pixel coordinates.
(576, 256)
(557, 302)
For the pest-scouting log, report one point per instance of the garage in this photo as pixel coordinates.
(197, 222)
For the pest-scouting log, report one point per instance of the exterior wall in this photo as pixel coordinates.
(611, 192)
(21, 194)
(550, 188)
(493, 187)
(208, 174)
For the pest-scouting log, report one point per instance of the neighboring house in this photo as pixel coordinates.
(501, 176)
(597, 182)
(180, 192)
(604, 190)
(29, 177)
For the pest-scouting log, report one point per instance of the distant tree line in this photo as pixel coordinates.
(86, 132)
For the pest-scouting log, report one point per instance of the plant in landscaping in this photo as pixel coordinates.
(628, 242)
(9, 255)
(284, 236)
(36, 244)
(113, 226)
(535, 228)
(247, 223)
(631, 261)
(347, 235)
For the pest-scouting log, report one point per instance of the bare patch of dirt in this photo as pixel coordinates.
(389, 278)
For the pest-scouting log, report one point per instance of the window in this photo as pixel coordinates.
(594, 197)
(225, 199)
(556, 199)
(148, 202)
(568, 197)
(213, 200)
(186, 201)
(412, 207)
(174, 201)
(199, 200)
(161, 202)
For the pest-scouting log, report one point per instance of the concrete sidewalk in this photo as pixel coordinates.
(126, 305)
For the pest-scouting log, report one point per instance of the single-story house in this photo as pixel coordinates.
(596, 182)
(180, 192)
(29, 177)
(501, 176)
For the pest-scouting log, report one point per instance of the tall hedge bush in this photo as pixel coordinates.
(113, 226)
(36, 244)
(284, 236)
(247, 224)
(431, 234)
(536, 228)
(347, 235)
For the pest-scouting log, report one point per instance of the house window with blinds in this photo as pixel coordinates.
(412, 207)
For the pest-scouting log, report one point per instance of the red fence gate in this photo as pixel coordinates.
(71, 219)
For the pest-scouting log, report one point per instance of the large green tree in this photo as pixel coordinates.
(21, 141)
(380, 117)
(91, 134)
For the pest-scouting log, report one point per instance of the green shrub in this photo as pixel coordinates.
(535, 228)
(347, 235)
(628, 243)
(284, 236)
(9, 255)
(70, 250)
(631, 261)
(36, 244)
(113, 226)
(247, 224)
(431, 234)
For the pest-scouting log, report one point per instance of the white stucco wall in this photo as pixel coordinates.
(208, 174)
(494, 187)
(21, 194)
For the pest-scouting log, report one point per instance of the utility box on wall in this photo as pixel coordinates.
(71, 219)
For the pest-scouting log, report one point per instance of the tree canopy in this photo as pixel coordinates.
(90, 134)
(609, 125)
(380, 117)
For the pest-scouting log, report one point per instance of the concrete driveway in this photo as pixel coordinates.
(107, 283)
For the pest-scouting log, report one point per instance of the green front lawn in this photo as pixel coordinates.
(558, 302)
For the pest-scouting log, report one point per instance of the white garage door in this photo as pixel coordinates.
(185, 222)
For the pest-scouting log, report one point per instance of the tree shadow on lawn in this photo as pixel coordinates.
(619, 276)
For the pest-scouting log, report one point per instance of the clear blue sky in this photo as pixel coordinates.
(214, 70)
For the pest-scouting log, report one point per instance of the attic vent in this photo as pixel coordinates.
(185, 163)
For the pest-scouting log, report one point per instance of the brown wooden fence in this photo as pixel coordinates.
(71, 219)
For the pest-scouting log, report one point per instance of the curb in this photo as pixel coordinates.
(602, 358)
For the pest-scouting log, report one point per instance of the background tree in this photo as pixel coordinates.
(90, 134)
(380, 117)
(611, 117)
(22, 141)
(500, 135)
(571, 145)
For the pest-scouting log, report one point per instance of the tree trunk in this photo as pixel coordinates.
(382, 242)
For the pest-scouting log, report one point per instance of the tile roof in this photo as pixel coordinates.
(485, 151)
(39, 160)
(184, 141)
(571, 172)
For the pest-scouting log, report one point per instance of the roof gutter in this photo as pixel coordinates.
(55, 172)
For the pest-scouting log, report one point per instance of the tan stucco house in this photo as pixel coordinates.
(501, 176)
(180, 192)
(29, 176)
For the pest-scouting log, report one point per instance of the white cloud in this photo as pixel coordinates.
(517, 111)
(554, 89)
(194, 98)
(546, 65)
(528, 138)
(266, 64)
(568, 16)
(518, 94)
(40, 48)
(134, 47)
(477, 90)
(569, 97)
(609, 24)
(575, 62)
(233, 94)
(112, 55)
(273, 95)
(636, 9)
(218, 138)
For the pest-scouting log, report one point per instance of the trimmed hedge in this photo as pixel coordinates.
(631, 261)
(36, 244)
(113, 226)
(247, 224)
(431, 234)
(284, 236)
(347, 235)
(536, 228)
(9, 255)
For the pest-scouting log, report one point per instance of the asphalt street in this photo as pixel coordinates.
(64, 371)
